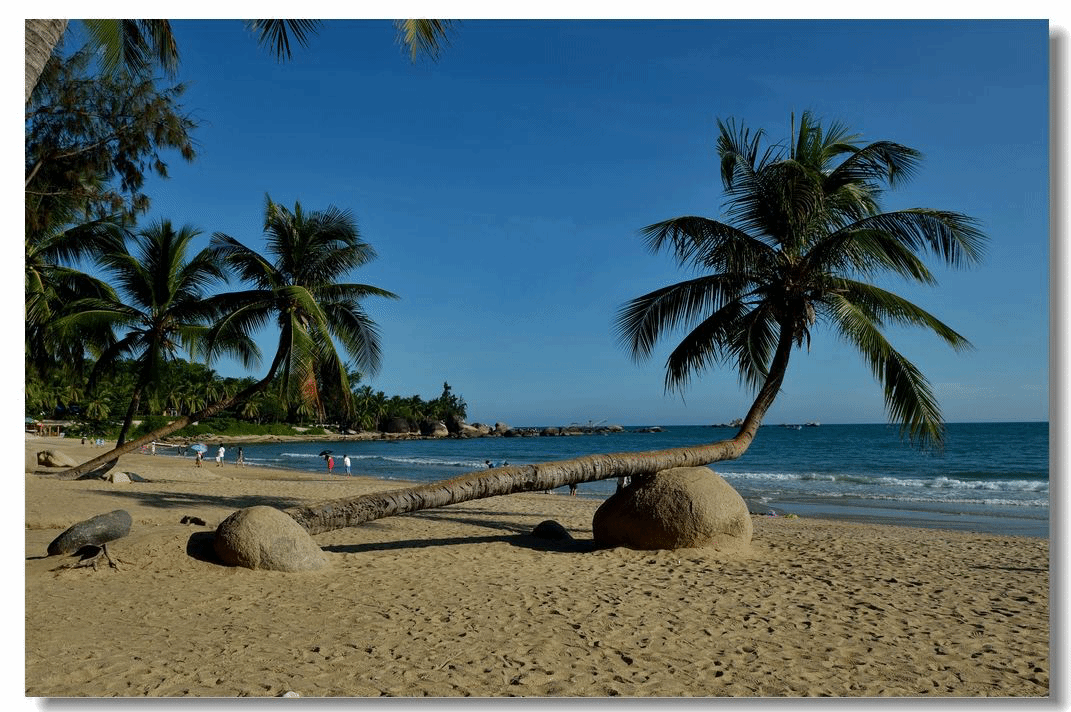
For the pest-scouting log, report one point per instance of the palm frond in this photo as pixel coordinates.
(357, 333)
(953, 237)
(276, 34)
(908, 397)
(878, 162)
(702, 347)
(643, 320)
(423, 36)
(881, 306)
(701, 242)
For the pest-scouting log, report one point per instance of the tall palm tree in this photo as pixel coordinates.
(297, 287)
(161, 307)
(141, 44)
(300, 290)
(803, 234)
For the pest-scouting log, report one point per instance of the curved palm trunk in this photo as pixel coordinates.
(132, 409)
(129, 419)
(348, 512)
(176, 425)
(41, 38)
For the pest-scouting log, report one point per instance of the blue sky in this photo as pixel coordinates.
(503, 188)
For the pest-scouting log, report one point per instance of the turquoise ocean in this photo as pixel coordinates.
(990, 477)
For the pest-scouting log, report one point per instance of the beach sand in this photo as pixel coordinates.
(463, 601)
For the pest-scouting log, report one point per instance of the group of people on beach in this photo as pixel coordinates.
(220, 454)
(331, 462)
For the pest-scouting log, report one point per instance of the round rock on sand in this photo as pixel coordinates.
(267, 538)
(552, 530)
(681, 508)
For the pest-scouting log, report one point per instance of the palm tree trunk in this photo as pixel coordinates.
(130, 411)
(42, 36)
(175, 425)
(348, 512)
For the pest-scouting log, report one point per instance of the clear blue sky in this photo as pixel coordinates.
(504, 185)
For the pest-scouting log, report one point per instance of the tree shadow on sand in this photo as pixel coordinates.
(524, 541)
(520, 534)
(180, 500)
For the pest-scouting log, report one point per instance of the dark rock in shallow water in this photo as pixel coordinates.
(94, 531)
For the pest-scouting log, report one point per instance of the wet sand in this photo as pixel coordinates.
(462, 600)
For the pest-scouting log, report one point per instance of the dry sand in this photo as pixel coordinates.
(463, 601)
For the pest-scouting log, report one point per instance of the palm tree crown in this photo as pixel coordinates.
(300, 290)
(803, 236)
(161, 304)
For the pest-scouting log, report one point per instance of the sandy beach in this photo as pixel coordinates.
(464, 601)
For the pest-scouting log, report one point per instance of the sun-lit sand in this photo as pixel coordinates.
(463, 601)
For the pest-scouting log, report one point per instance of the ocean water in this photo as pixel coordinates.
(990, 477)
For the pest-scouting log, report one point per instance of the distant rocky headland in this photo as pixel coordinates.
(400, 429)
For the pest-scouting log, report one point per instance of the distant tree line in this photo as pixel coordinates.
(185, 387)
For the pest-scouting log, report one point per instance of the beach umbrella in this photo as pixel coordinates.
(326, 453)
(199, 447)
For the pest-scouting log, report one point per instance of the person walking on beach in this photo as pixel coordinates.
(241, 458)
(330, 464)
(572, 490)
(200, 456)
(219, 455)
(346, 462)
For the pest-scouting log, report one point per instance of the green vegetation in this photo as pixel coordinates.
(183, 387)
(108, 351)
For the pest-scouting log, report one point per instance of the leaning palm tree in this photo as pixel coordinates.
(161, 306)
(297, 287)
(803, 235)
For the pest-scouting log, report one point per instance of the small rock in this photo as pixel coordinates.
(54, 458)
(92, 532)
(552, 530)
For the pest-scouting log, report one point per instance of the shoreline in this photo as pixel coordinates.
(1009, 521)
(462, 600)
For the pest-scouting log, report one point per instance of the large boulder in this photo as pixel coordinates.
(434, 429)
(681, 508)
(266, 538)
(470, 431)
(396, 425)
(54, 458)
(455, 424)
